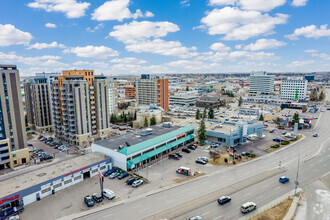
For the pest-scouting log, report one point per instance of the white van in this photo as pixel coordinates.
(109, 194)
(248, 207)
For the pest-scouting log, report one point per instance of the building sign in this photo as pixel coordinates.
(231, 152)
(248, 111)
(84, 169)
(9, 199)
(181, 135)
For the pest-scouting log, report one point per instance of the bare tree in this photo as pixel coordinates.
(214, 155)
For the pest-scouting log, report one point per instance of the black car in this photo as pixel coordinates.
(224, 199)
(173, 156)
(47, 157)
(89, 201)
(130, 180)
(245, 153)
(186, 150)
(97, 197)
(200, 161)
(192, 147)
(123, 175)
(178, 155)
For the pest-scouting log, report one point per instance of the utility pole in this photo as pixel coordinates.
(161, 168)
(295, 189)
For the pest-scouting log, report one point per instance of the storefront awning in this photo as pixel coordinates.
(159, 150)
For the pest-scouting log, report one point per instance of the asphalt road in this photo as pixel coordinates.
(261, 193)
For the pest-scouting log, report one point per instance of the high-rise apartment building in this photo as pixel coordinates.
(113, 97)
(130, 92)
(292, 87)
(152, 91)
(81, 107)
(261, 83)
(13, 144)
(38, 104)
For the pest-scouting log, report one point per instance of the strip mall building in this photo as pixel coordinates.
(136, 148)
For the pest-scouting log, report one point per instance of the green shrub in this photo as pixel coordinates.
(252, 155)
(285, 142)
(275, 146)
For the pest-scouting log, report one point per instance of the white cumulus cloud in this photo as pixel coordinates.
(264, 44)
(71, 8)
(128, 60)
(40, 46)
(310, 51)
(9, 35)
(117, 10)
(135, 30)
(237, 24)
(97, 27)
(99, 52)
(50, 25)
(219, 47)
(255, 5)
(310, 31)
(298, 63)
(298, 3)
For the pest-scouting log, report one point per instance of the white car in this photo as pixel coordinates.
(137, 183)
(248, 207)
(109, 194)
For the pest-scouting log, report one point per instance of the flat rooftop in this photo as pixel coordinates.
(213, 126)
(43, 174)
(134, 138)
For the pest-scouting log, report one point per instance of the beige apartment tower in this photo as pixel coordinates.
(13, 144)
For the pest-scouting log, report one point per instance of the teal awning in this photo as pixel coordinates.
(159, 150)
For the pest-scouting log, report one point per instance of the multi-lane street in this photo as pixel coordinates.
(260, 192)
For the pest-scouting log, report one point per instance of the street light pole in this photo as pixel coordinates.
(295, 189)
(161, 168)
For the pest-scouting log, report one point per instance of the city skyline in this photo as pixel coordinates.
(214, 36)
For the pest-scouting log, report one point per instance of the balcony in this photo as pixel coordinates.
(91, 87)
(63, 103)
(70, 99)
(92, 97)
(73, 130)
(62, 88)
(94, 126)
(93, 117)
(92, 102)
(65, 123)
(91, 92)
(93, 112)
(93, 107)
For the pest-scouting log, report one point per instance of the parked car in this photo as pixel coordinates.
(43, 139)
(115, 127)
(33, 149)
(11, 212)
(284, 132)
(272, 130)
(248, 207)
(89, 201)
(203, 158)
(30, 145)
(173, 156)
(123, 175)
(245, 153)
(114, 175)
(192, 147)
(97, 197)
(137, 183)
(277, 139)
(284, 179)
(109, 172)
(224, 199)
(53, 144)
(186, 150)
(39, 151)
(47, 157)
(130, 180)
(122, 129)
(109, 194)
(315, 135)
(200, 161)
(288, 135)
(178, 155)
(48, 142)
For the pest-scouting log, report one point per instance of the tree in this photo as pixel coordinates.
(187, 88)
(202, 132)
(152, 121)
(240, 101)
(277, 121)
(112, 119)
(125, 118)
(145, 122)
(135, 115)
(313, 96)
(322, 96)
(211, 113)
(214, 155)
(204, 113)
(295, 118)
(261, 118)
(198, 114)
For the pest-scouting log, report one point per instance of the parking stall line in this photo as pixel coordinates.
(206, 213)
(260, 197)
(265, 186)
(106, 216)
(248, 194)
(277, 188)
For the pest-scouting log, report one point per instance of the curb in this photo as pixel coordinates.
(318, 152)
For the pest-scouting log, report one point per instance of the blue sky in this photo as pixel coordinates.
(165, 36)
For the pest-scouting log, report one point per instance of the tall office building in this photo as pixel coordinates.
(261, 83)
(294, 86)
(152, 91)
(13, 144)
(38, 104)
(113, 97)
(81, 107)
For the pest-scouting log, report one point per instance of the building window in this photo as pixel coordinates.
(14, 155)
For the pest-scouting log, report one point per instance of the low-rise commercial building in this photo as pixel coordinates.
(148, 112)
(133, 149)
(33, 186)
(210, 102)
(231, 134)
(183, 100)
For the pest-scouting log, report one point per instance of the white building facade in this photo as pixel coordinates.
(261, 83)
(294, 85)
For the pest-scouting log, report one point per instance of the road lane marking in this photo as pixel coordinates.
(206, 213)
(277, 188)
(248, 194)
(260, 197)
(106, 216)
(265, 186)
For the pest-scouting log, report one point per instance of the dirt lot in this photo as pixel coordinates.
(276, 213)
